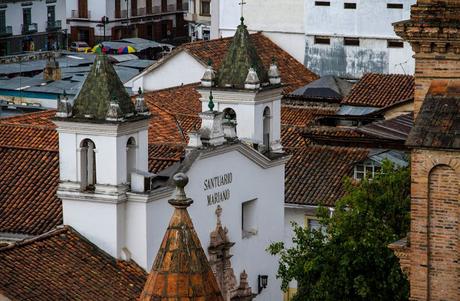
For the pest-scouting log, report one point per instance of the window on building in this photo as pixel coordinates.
(322, 40)
(206, 35)
(148, 5)
(248, 219)
(351, 41)
(312, 223)
(322, 3)
(367, 169)
(130, 158)
(2, 21)
(395, 44)
(117, 9)
(267, 127)
(349, 5)
(395, 5)
(51, 14)
(205, 8)
(27, 16)
(87, 164)
(134, 8)
(83, 9)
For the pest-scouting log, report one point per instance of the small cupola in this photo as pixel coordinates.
(211, 131)
(274, 73)
(64, 107)
(209, 76)
(141, 107)
(114, 112)
(252, 80)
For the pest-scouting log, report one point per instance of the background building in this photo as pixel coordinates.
(31, 25)
(343, 38)
(150, 19)
(199, 19)
(281, 21)
(350, 38)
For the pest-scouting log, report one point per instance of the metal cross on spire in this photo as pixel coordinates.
(242, 3)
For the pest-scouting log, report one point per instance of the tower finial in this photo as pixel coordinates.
(180, 201)
(242, 3)
(211, 103)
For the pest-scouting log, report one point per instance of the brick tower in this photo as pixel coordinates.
(433, 251)
(434, 34)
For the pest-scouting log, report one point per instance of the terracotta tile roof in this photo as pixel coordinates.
(38, 118)
(293, 73)
(303, 116)
(380, 90)
(28, 184)
(438, 123)
(292, 137)
(181, 270)
(162, 156)
(28, 136)
(397, 128)
(63, 265)
(327, 165)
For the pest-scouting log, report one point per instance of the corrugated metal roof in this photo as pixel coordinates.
(138, 64)
(355, 111)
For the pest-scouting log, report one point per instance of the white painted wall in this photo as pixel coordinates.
(372, 55)
(282, 21)
(372, 22)
(4, 298)
(166, 75)
(249, 182)
(249, 108)
(14, 14)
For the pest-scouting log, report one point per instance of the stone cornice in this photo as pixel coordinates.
(103, 129)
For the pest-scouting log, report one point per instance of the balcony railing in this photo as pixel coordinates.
(185, 6)
(171, 7)
(6, 31)
(156, 9)
(77, 14)
(29, 28)
(53, 25)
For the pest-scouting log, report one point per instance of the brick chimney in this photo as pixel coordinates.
(434, 34)
(52, 70)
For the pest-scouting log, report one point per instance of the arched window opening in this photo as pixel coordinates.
(88, 164)
(266, 127)
(229, 115)
(130, 158)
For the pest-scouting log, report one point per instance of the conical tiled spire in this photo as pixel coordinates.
(181, 270)
(100, 87)
(241, 56)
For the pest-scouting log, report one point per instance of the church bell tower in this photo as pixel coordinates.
(246, 93)
(102, 144)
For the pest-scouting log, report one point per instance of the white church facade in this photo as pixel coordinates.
(235, 163)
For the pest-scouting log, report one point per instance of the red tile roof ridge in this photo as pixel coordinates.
(213, 40)
(58, 230)
(28, 125)
(47, 150)
(147, 92)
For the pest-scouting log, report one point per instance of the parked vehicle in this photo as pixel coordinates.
(80, 47)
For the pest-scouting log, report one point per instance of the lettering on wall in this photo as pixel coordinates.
(219, 182)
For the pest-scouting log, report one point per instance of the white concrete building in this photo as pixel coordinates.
(149, 19)
(350, 38)
(344, 38)
(199, 19)
(281, 21)
(31, 25)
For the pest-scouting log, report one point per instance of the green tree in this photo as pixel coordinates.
(351, 260)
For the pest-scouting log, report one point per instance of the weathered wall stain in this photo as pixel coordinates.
(345, 61)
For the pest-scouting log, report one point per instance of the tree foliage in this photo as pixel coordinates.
(351, 260)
